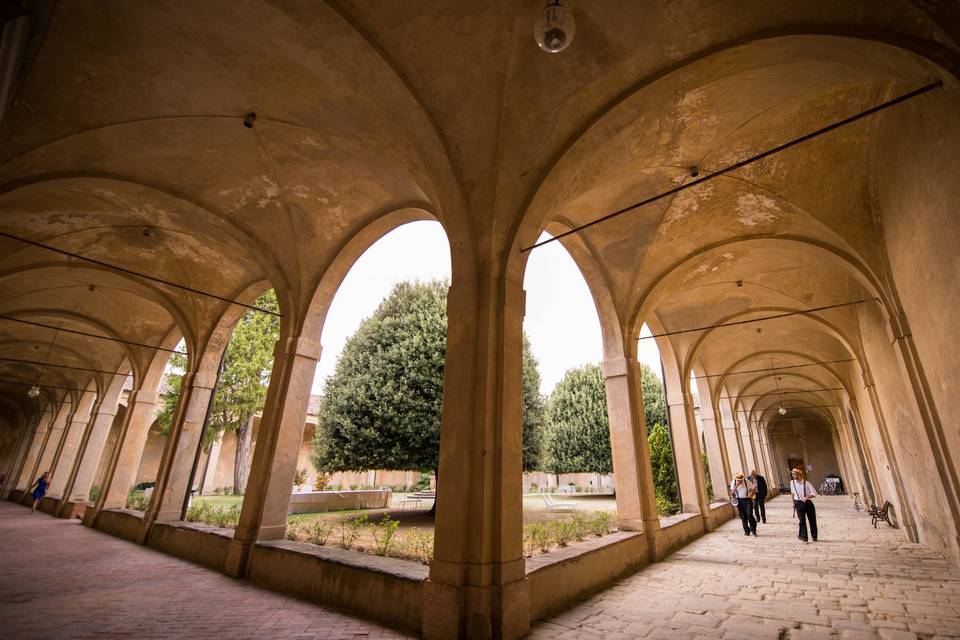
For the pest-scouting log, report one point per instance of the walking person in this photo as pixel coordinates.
(743, 490)
(40, 489)
(803, 495)
(759, 508)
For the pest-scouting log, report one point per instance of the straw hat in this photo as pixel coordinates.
(797, 472)
(738, 475)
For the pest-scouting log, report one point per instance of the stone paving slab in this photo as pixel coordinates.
(59, 579)
(856, 582)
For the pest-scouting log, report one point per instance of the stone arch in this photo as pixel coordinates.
(538, 204)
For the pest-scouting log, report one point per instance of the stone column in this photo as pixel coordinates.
(716, 451)
(633, 475)
(477, 586)
(750, 452)
(731, 444)
(50, 440)
(24, 474)
(686, 447)
(125, 460)
(24, 444)
(62, 466)
(175, 474)
(210, 471)
(274, 464)
(77, 489)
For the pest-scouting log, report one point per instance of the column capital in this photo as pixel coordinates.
(298, 346)
(142, 396)
(615, 367)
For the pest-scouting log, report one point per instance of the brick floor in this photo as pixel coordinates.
(59, 579)
(856, 582)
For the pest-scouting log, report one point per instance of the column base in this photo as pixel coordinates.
(237, 564)
(499, 612)
(71, 509)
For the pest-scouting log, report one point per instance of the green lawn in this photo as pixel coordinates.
(220, 501)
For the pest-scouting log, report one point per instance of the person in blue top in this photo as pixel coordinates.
(40, 489)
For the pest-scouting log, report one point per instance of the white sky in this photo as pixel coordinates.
(561, 319)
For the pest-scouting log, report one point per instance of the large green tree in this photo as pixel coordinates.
(242, 387)
(654, 403)
(382, 405)
(533, 411)
(664, 470)
(577, 433)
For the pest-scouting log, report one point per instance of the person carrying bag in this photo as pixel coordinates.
(803, 495)
(742, 491)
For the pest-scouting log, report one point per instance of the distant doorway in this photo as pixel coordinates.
(796, 463)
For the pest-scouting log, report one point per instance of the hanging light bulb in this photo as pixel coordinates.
(34, 391)
(554, 28)
(782, 411)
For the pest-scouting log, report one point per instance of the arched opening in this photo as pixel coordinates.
(366, 471)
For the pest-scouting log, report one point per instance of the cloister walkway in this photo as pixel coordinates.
(856, 582)
(61, 580)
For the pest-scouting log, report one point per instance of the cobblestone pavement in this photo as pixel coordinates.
(59, 579)
(856, 582)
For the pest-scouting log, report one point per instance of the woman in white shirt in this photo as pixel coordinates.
(803, 494)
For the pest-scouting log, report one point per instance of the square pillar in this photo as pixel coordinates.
(78, 485)
(175, 473)
(477, 586)
(125, 459)
(62, 466)
(686, 447)
(274, 464)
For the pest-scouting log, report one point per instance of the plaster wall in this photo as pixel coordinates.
(813, 443)
(921, 484)
(917, 198)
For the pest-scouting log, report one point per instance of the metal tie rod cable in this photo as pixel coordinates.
(131, 272)
(743, 163)
(62, 366)
(793, 366)
(93, 335)
(760, 395)
(734, 323)
(45, 386)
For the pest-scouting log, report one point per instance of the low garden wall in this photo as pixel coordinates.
(121, 523)
(675, 532)
(317, 501)
(719, 513)
(385, 589)
(199, 543)
(562, 576)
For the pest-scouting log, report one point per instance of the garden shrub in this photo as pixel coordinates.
(581, 525)
(600, 523)
(95, 491)
(319, 531)
(137, 500)
(562, 531)
(350, 530)
(419, 544)
(384, 533)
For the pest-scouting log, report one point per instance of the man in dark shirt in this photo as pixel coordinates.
(760, 510)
